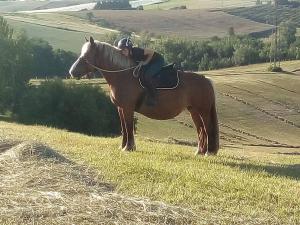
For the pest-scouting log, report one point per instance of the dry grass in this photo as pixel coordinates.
(39, 186)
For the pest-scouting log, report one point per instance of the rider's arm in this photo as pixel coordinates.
(149, 54)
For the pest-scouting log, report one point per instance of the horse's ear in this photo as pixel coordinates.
(86, 39)
(92, 40)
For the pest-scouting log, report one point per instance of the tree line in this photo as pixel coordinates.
(54, 103)
(22, 58)
(215, 53)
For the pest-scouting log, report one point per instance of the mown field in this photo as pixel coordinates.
(253, 180)
(192, 24)
(266, 14)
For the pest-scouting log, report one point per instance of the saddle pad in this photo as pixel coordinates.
(166, 79)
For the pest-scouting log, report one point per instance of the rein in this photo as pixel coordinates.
(136, 69)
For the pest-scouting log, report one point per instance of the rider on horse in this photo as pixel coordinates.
(152, 63)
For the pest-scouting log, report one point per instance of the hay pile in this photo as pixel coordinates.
(39, 186)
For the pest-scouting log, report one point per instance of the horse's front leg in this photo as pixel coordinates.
(128, 119)
(123, 128)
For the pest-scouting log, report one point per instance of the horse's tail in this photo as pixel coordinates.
(213, 136)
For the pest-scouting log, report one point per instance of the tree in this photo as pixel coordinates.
(245, 55)
(21, 59)
(258, 2)
(90, 16)
(288, 32)
(6, 31)
(231, 31)
(15, 66)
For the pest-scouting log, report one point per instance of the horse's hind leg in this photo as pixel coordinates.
(199, 122)
(123, 127)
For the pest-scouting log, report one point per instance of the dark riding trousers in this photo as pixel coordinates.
(155, 64)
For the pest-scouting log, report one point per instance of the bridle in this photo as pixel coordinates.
(136, 69)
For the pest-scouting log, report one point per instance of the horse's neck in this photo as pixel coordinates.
(112, 59)
(114, 79)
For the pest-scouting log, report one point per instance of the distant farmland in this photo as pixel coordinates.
(191, 24)
(203, 4)
(266, 14)
(14, 6)
(61, 31)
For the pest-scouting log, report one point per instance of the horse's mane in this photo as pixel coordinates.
(113, 55)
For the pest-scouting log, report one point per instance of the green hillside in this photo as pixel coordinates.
(61, 31)
(253, 180)
(256, 108)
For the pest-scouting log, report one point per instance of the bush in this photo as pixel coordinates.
(274, 69)
(245, 55)
(79, 108)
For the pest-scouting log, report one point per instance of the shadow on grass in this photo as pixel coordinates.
(289, 171)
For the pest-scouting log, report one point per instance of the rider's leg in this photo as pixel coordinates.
(151, 70)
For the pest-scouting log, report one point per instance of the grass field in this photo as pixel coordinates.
(192, 24)
(254, 179)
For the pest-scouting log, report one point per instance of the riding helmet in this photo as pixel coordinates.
(125, 43)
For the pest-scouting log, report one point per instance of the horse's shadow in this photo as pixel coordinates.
(288, 171)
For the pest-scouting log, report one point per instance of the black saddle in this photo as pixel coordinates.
(166, 78)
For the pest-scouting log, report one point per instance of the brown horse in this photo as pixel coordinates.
(194, 93)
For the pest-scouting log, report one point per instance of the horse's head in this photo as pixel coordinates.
(82, 65)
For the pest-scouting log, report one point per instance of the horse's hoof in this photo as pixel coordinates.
(199, 153)
(129, 149)
(210, 154)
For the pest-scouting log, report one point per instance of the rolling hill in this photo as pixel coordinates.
(192, 24)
